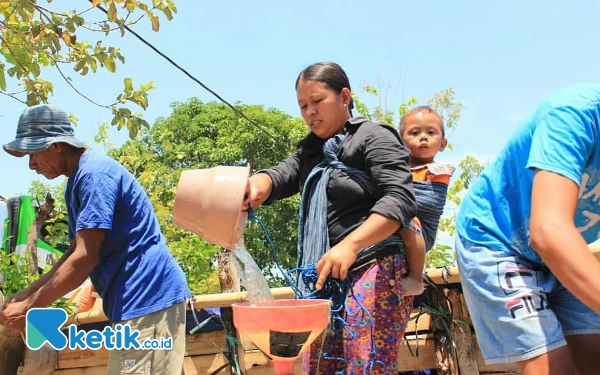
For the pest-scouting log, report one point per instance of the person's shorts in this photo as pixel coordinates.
(519, 310)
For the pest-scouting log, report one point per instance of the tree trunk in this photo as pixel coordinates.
(465, 351)
(230, 283)
(12, 349)
(43, 214)
(39, 362)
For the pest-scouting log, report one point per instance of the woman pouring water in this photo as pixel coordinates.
(357, 193)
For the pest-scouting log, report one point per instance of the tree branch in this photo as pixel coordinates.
(40, 8)
(75, 88)
(13, 54)
(117, 28)
(12, 96)
(85, 11)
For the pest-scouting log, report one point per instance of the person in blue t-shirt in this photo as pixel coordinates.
(530, 281)
(116, 240)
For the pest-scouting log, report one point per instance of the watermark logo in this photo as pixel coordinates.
(44, 326)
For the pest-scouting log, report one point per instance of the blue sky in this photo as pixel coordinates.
(501, 58)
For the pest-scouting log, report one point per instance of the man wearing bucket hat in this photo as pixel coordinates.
(116, 240)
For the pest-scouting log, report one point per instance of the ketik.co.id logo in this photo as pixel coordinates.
(44, 326)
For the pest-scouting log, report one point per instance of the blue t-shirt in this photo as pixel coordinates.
(561, 136)
(136, 274)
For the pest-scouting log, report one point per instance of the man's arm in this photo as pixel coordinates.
(73, 271)
(556, 239)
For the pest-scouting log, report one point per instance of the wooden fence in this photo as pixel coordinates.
(427, 345)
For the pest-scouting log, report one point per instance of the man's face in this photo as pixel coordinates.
(48, 162)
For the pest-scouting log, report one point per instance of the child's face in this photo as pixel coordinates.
(423, 135)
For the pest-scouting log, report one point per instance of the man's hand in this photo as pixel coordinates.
(13, 315)
(17, 297)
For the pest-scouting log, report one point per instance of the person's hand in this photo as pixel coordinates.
(336, 261)
(13, 315)
(258, 189)
(17, 297)
(246, 202)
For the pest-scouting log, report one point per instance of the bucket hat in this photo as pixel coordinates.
(39, 127)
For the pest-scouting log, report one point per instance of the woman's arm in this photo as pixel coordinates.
(276, 183)
(340, 258)
(388, 163)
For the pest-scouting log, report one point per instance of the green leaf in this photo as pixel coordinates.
(133, 128)
(93, 64)
(168, 13)
(128, 86)
(67, 38)
(148, 86)
(155, 21)
(2, 78)
(140, 99)
(34, 69)
(109, 62)
(121, 123)
(112, 12)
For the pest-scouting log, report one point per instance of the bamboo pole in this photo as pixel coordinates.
(202, 301)
(437, 275)
(442, 276)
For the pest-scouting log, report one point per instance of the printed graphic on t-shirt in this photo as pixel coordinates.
(587, 219)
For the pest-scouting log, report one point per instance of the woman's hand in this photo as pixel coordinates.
(258, 190)
(336, 261)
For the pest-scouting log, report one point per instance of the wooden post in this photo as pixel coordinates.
(42, 215)
(446, 365)
(465, 351)
(12, 349)
(229, 284)
(40, 362)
